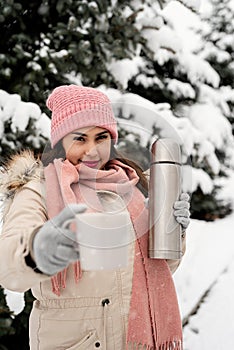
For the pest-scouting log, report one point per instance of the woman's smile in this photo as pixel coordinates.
(91, 163)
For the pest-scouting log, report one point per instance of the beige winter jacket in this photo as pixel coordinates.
(90, 314)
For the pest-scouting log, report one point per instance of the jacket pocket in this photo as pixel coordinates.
(89, 339)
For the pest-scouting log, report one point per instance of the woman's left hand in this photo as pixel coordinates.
(181, 210)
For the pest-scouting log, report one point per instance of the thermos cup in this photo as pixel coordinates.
(164, 189)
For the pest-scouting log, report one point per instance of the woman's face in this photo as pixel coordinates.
(90, 146)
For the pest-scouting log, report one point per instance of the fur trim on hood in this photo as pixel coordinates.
(21, 168)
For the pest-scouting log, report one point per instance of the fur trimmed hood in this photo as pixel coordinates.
(21, 168)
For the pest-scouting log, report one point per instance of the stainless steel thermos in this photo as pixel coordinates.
(164, 189)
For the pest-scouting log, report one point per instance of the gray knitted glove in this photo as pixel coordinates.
(181, 211)
(54, 246)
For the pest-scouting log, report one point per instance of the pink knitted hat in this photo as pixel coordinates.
(75, 107)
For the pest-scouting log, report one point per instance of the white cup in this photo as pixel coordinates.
(103, 240)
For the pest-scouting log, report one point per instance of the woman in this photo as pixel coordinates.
(128, 308)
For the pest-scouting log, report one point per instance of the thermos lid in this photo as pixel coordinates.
(166, 150)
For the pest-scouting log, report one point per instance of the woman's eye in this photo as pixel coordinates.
(79, 138)
(102, 137)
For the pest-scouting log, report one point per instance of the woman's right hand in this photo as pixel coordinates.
(54, 245)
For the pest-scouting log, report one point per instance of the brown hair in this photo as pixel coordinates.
(58, 152)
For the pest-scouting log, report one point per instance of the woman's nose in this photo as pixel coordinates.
(91, 149)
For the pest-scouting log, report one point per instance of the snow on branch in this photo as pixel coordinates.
(19, 115)
(180, 89)
(123, 70)
(194, 178)
(197, 69)
(215, 127)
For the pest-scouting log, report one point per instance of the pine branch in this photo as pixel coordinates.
(134, 14)
(161, 3)
(150, 27)
(168, 49)
(187, 6)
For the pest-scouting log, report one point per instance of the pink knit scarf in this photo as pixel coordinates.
(154, 317)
